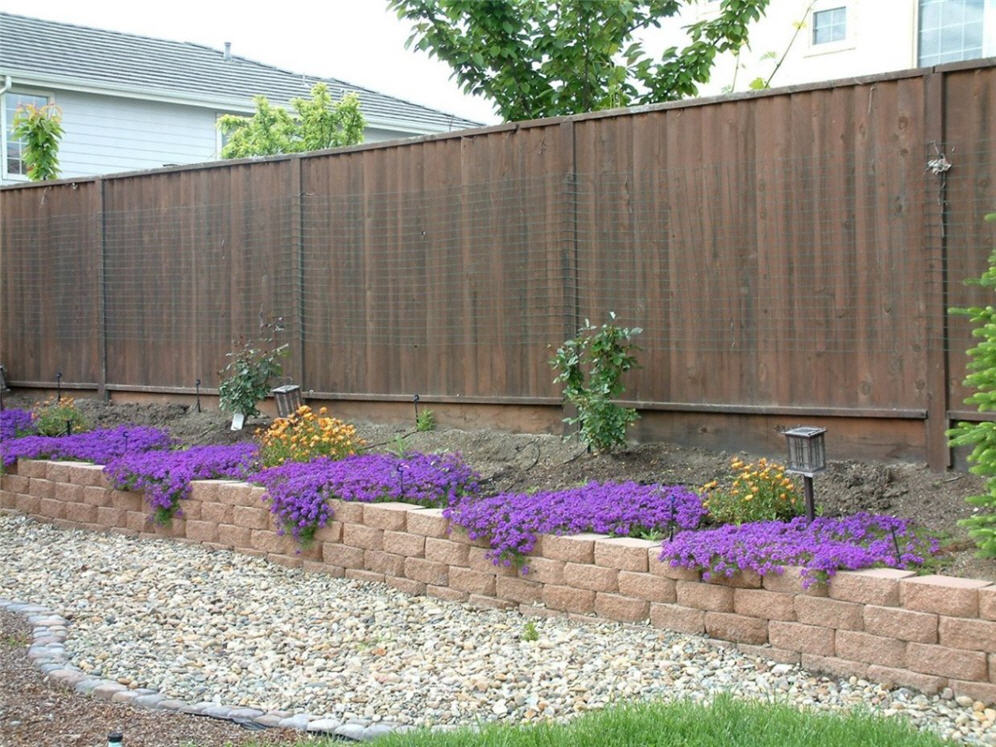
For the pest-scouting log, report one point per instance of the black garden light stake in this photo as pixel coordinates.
(807, 456)
(3, 384)
(895, 544)
(197, 393)
(670, 521)
(415, 402)
(58, 386)
(69, 427)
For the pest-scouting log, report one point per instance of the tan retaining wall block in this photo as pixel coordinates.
(677, 618)
(385, 563)
(518, 590)
(807, 639)
(905, 678)
(732, 627)
(545, 570)
(621, 608)
(235, 536)
(342, 556)
(428, 522)
(596, 578)
(771, 605)
(109, 516)
(871, 586)
(203, 531)
(427, 571)
(52, 508)
(945, 595)
(251, 517)
(447, 551)
(646, 586)
(987, 603)
(357, 535)
(901, 624)
(975, 635)
(404, 543)
(871, 649)
(39, 487)
(624, 553)
(219, 513)
(96, 496)
(829, 612)
(568, 599)
(391, 515)
(790, 581)
(981, 691)
(704, 596)
(474, 582)
(80, 513)
(834, 665)
(574, 548)
(947, 662)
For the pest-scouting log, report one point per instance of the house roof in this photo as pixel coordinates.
(35, 51)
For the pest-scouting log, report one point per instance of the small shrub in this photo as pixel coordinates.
(245, 380)
(426, 421)
(981, 436)
(759, 492)
(529, 632)
(590, 367)
(59, 417)
(303, 436)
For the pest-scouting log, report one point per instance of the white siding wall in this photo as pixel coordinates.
(107, 134)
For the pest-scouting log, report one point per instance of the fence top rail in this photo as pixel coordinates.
(921, 72)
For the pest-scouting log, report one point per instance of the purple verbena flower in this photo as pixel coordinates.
(100, 446)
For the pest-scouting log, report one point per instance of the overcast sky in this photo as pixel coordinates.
(357, 41)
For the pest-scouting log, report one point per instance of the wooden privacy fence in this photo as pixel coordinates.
(789, 254)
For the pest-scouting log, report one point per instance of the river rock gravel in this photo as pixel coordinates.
(169, 624)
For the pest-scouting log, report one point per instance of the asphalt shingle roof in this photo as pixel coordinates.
(111, 59)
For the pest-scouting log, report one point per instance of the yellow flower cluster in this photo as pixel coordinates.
(56, 417)
(305, 435)
(759, 491)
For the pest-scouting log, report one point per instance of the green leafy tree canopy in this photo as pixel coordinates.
(536, 58)
(40, 130)
(316, 124)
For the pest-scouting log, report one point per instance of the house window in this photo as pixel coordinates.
(953, 30)
(829, 25)
(14, 148)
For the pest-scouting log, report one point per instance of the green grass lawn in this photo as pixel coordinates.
(725, 722)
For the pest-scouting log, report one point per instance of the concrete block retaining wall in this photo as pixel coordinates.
(884, 625)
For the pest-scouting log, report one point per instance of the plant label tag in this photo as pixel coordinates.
(238, 420)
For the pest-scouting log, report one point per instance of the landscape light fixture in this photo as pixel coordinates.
(197, 393)
(807, 455)
(58, 386)
(288, 399)
(115, 739)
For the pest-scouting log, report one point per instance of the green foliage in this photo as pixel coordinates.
(529, 632)
(724, 721)
(534, 58)
(759, 492)
(246, 377)
(58, 417)
(981, 436)
(426, 421)
(318, 123)
(590, 366)
(40, 129)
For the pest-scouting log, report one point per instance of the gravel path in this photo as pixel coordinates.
(354, 658)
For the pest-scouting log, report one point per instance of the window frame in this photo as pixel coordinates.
(49, 98)
(988, 22)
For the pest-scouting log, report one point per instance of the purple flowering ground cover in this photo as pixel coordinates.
(165, 476)
(511, 522)
(298, 492)
(100, 446)
(15, 423)
(820, 548)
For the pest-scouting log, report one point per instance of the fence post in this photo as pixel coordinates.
(569, 251)
(101, 263)
(297, 233)
(935, 290)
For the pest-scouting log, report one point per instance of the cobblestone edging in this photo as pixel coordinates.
(930, 633)
(47, 653)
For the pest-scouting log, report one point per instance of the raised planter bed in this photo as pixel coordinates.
(886, 625)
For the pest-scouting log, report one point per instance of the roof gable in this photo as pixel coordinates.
(112, 59)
